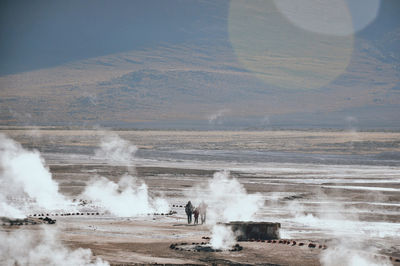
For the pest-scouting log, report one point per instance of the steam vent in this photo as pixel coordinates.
(255, 230)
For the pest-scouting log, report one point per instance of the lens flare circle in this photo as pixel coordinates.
(281, 54)
(332, 17)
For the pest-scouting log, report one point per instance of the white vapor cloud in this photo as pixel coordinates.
(227, 201)
(115, 149)
(216, 118)
(222, 237)
(42, 247)
(23, 173)
(347, 255)
(351, 244)
(129, 197)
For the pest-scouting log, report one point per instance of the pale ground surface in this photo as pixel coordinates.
(359, 171)
(130, 241)
(147, 241)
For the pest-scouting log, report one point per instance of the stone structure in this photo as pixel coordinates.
(255, 230)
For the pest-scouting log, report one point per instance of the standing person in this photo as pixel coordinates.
(203, 212)
(196, 215)
(189, 211)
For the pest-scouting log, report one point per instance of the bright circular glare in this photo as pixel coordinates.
(332, 17)
(284, 55)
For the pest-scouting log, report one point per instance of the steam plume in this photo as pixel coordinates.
(42, 247)
(222, 237)
(348, 256)
(115, 149)
(23, 173)
(227, 200)
(352, 238)
(128, 197)
(216, 118)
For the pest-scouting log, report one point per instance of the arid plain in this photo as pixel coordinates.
(336, 189)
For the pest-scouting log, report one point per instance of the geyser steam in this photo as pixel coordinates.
(126, 198)
(348, 256)
(23, 173)
(352, 238)
(42, 247)
(129, 196)
(115, 149)
(222, 237)
(227, 201)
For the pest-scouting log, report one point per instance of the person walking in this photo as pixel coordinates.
(203, 212)
(196, 215)
(189, 211)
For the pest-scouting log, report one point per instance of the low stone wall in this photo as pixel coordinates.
(4, 221)
(255, 230)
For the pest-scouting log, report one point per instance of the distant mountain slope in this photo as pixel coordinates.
(192, 83)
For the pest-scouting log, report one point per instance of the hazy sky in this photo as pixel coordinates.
(44, 33)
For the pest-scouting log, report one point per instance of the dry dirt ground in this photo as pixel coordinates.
(147, 240)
